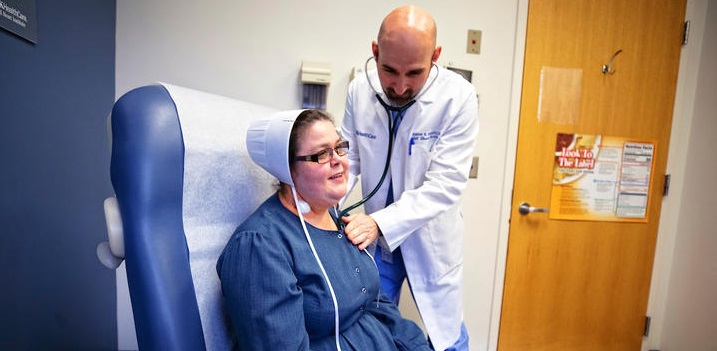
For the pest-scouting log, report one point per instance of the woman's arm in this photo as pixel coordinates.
(263, 300)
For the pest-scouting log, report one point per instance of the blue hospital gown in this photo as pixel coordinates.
(277, 298)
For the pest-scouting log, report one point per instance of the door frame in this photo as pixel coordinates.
(679, 138)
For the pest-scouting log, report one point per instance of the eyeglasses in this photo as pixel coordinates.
(325, 155)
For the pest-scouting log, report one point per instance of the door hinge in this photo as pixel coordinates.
(646, 331)
(666, 189)
(686, 33)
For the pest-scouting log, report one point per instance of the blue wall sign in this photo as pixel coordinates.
(20, 18)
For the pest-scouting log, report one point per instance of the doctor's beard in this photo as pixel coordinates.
(402, 99)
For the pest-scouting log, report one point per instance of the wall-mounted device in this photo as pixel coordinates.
(467, 74)
(474, 39)
(315, 80)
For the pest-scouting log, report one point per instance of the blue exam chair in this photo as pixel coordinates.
(183, 181)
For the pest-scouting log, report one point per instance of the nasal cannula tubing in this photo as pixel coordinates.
(391, 134)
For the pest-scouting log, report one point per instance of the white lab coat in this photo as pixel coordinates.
(431, 159)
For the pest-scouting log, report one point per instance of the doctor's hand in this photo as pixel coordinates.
(360, 229)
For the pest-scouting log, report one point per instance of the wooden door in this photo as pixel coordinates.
(577, 284)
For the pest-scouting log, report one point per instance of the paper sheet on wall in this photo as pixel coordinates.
(560, 92)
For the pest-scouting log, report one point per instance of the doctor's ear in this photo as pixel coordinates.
(436, 54)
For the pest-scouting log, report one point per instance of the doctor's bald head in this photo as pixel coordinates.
(405, 50)
(409, 22)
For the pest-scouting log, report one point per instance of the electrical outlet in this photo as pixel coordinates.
(474, 39)
(473, 173)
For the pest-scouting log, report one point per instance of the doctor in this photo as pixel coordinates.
(415, 214)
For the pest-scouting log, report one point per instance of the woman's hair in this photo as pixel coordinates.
(306, 119)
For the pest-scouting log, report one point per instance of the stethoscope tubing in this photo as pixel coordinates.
(391, 136)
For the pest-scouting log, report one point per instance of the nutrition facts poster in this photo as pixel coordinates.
(601, 178)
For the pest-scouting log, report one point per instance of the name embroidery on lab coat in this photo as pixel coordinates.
(365, 135)
(423, 138)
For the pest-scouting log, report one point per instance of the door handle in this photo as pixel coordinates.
(525, 209)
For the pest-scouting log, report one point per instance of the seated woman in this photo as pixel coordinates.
(289, 276)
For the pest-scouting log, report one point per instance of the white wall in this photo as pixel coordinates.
(252, 50)
(688, 310)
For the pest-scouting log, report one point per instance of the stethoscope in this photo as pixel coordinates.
(394, 115)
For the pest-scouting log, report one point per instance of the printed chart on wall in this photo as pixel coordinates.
(601, 178)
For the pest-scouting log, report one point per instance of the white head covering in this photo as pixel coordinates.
(267, 141)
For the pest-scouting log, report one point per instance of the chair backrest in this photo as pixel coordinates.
(183, 182)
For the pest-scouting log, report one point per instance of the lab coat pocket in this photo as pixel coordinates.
(417, 164)
(446, 233)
